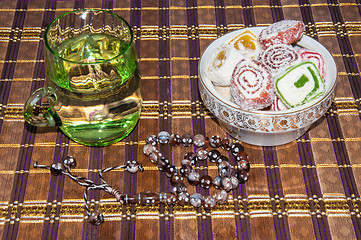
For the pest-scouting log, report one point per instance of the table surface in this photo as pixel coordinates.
(307, 189)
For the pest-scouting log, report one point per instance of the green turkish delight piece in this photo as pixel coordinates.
(299, 84)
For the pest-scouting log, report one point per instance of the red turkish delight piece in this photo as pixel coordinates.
(316, 58)
(282, 32)
(252, 85)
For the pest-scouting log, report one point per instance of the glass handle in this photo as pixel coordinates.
(46, 119)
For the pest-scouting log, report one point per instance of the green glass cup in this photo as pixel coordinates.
(92, 81)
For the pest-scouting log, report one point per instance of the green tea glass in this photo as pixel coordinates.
(92, 78)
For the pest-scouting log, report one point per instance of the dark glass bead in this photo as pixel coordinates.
(170, 169)
(149, 198)
(193, 178)
(196, 200)
(223, 164)
(175, 140)
(185, 162)
(205, 181)
(206, 143)
(152, 139)
(179, 187)
(163, 197)
(129, 199)
(221, 197)
(133, 166)
(148, 149)
(234, 181)
(224, 169)
(183, 198)
(217, 182)
(199, 140)
(187, 140)
(213, 155)
(192, 157)
(155, 156)
(215, 141)
(226, 184)
(194, 160)
(176, 178)
(242, 176)
(202, 154)
(167, 197)
(69, 162)
(163, 137)
(209, 202)
(241, 156)
(96, 218)
(226, 144)
(172, 199)
(133, 199)
(185, 170)
(189, 155)
(56, 169)
(243, 165)
(162, 163)
(236, 148)
(221, 158)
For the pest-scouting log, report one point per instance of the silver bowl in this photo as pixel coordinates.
(266, 128)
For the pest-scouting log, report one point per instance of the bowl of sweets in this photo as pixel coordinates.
(266, 86)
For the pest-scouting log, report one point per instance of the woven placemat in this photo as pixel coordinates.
(307, 189)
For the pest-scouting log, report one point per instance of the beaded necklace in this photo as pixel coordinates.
(228, 179)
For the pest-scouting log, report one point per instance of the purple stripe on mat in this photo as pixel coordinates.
(276, 192)
(313, 189)
(243, 225)
(10, 231)
(164, 84)
(131, 151)
(95, 163)
(276, 9)
(10, 57)
(220, 14)
(307, 16)
(198, 123)
(345, 47)
(19, 185)
(346, 173)
(79, 4)
(248, 15)
(194, 55)
(342, 158)
(166, 227)
(55, 194)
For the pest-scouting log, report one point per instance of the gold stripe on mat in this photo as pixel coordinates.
(151, 109)
(203, 31)
(254, 207)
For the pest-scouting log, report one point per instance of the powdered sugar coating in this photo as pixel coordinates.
(282, 32)
(278, 57)
(252, 85)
